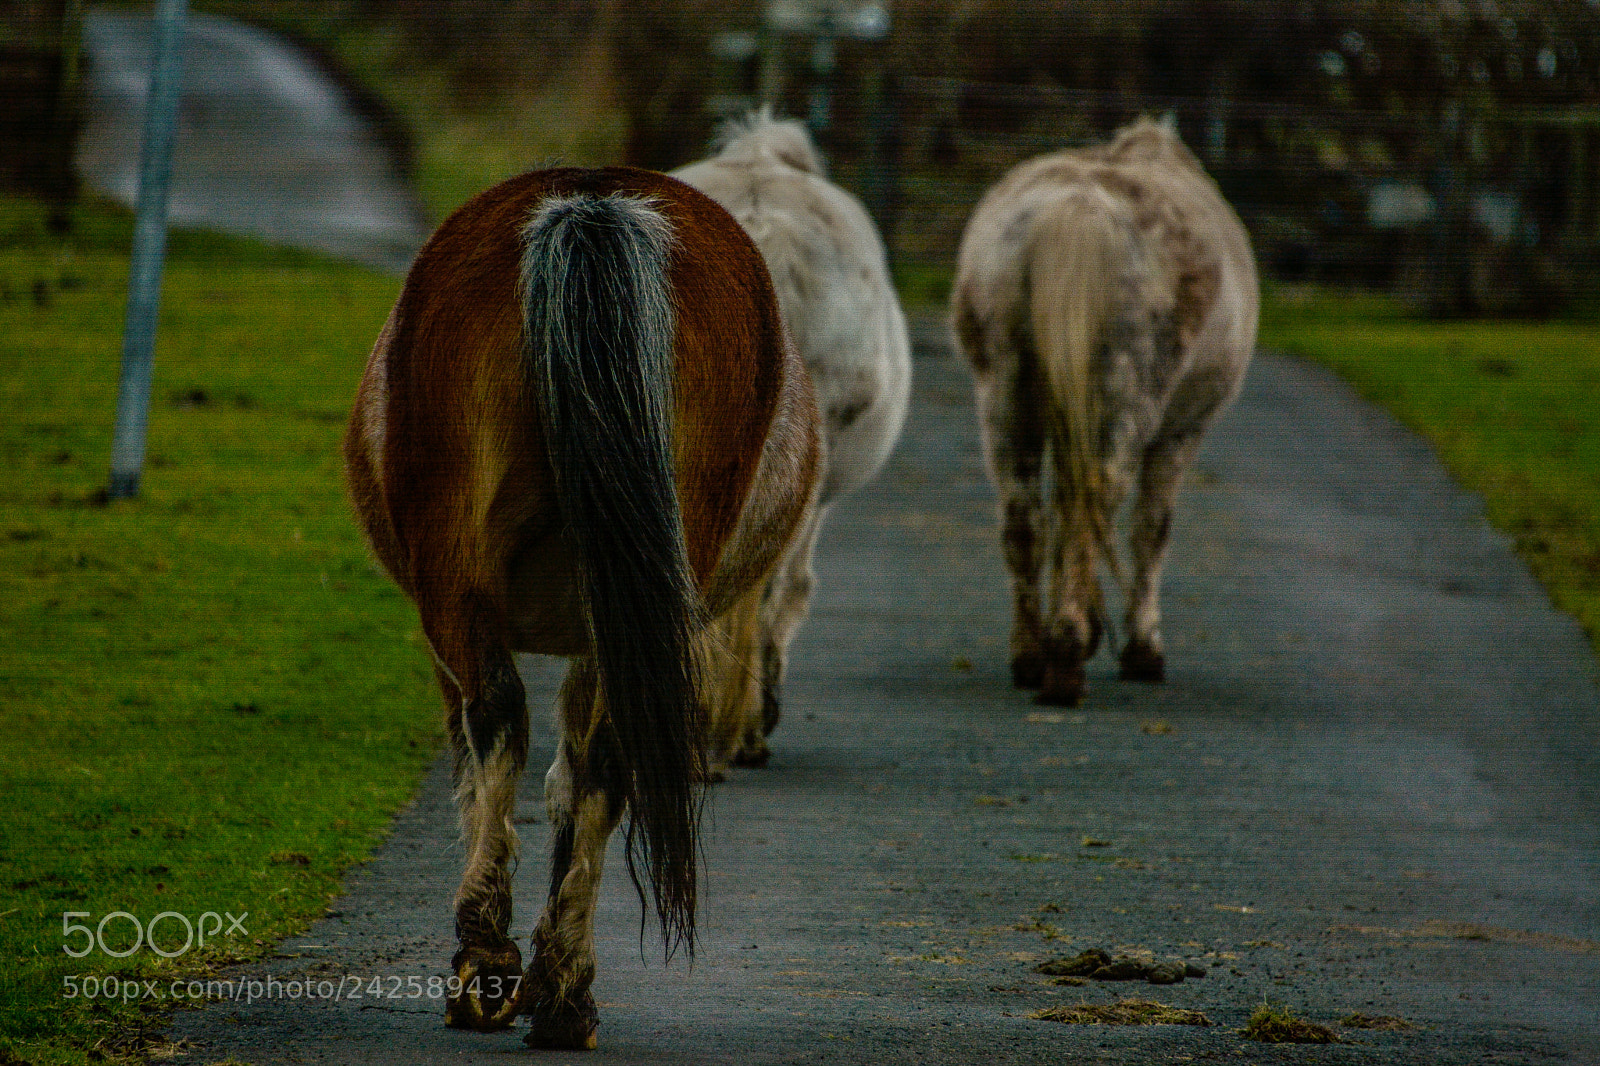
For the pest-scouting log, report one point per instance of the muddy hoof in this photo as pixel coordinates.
(1141, 662)
(1062, 686)
(1027, 671)
(490, 992)
(563, 1025)
(754, 753)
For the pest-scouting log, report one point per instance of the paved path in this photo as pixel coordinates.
(267, 144)
(1369, 786)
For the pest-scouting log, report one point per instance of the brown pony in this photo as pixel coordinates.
(582, 432)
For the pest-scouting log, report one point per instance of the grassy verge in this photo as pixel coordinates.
(211, 701)
(1512, 407)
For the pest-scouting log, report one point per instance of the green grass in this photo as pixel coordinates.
(1512, 407)
(210, 699)
(924, 288)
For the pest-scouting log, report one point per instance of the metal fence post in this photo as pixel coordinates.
(149, 250)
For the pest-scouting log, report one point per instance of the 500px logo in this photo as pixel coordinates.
(146, 934)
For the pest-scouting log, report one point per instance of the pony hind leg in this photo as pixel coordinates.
(583, 813)
(1013, 446)
(488, 727)
(784, 608)
(1074, 628)
(1143, 657)
(730, 648)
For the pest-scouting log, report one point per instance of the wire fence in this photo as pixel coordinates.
(1466, 207)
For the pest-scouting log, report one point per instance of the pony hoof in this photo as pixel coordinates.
(754, 754)
(1027, 671)
(1141, 662)
(564, 1025)
(1061, 687)
(491, 981)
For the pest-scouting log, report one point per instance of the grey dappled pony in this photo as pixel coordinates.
(1107, 301)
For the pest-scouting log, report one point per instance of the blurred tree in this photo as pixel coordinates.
(39, 100)
(661, 54)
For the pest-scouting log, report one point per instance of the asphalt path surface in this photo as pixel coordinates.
(1370, 784)
(268, 144)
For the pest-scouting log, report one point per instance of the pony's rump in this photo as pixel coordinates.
(458, 330)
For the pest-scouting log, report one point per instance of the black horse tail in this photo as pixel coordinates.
(599, 336)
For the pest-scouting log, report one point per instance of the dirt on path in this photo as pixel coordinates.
(1368, 788)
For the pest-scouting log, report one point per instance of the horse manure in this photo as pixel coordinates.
(1274, 1024)
(1123, 1012)
(289, 858)
(1080, 965)
(1165, 973)
(1375, 1021)
(1123, 969)
(1097, 964)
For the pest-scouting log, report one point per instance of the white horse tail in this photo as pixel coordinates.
(1080, 252)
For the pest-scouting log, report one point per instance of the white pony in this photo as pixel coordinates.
(1107, 301)
(832, 279)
